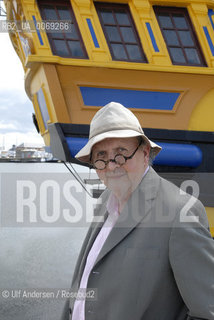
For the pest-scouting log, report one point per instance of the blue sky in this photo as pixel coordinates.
(16, 109)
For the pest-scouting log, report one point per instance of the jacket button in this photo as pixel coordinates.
(90, 311)
(95, 272)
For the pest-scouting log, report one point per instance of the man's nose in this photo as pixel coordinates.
(112, 165)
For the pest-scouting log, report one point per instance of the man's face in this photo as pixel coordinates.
(125, 178)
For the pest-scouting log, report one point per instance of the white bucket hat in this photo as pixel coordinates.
(113, 121)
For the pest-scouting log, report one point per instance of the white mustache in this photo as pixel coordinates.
(116, 173)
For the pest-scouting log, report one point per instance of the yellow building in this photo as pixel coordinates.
(155, 57)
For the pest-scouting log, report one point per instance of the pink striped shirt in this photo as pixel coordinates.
(112, 208)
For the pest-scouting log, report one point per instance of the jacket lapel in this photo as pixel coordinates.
(100, 215)
(137, 208)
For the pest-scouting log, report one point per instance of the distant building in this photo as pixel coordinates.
(29, 151)
(26, 152)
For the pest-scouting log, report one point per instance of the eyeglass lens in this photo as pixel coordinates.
(101, 164)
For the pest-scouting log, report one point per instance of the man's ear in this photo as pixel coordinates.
(146, 152)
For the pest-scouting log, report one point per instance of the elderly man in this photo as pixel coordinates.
(152, 258)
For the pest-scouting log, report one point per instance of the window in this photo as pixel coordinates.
(69, 43)
(181, 41)
(120, 32)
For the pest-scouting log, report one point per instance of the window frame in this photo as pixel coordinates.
(191, 29)
(66, 4)
(113, 6)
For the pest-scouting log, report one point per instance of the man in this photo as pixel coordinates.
(152, 258)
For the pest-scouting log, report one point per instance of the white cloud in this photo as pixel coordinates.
(8, 126)
(12, 73)
(15, 115)
(16, 109)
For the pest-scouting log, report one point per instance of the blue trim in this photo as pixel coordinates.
(96, 44)
(130, 98)
(181, 155)
(210, 14)
(37, 31)
(209, 40)
(154, 43)
(172, 154)
(75, 144)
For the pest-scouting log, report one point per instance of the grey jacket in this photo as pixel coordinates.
(153, 266)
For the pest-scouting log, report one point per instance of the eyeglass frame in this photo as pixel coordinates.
(106, 162)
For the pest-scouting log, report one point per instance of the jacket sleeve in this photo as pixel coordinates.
(191, 254)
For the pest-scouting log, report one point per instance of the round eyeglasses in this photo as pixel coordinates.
(120, 159)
